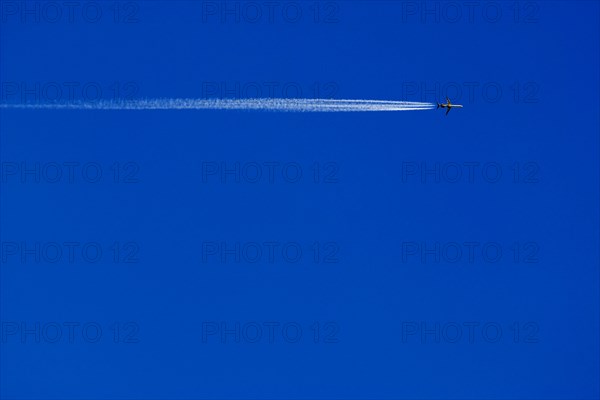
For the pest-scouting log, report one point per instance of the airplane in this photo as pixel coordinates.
(448, 105)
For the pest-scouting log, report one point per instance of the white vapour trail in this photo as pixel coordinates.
(290, 105)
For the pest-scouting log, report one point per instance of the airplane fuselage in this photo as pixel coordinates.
(451, 105)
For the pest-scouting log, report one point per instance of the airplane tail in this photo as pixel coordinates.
(438, 106)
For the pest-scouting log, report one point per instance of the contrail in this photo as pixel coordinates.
(266, 104)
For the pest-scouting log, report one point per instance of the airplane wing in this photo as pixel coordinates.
(448, 110)
(448, 101)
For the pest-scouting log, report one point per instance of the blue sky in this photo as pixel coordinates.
(235, 254)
